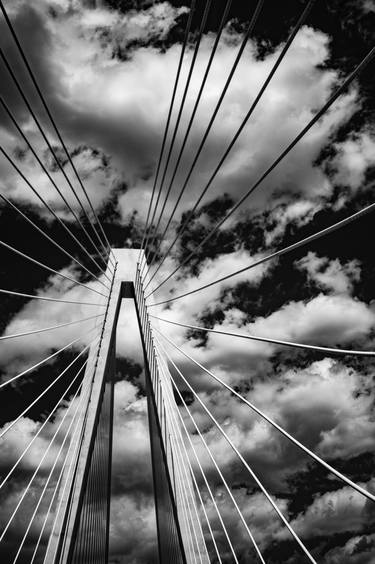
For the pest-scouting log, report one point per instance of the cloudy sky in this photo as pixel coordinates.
(107, 70)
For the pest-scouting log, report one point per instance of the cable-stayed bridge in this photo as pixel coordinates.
(70, 518)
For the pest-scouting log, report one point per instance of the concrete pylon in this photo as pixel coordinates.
(180, 535)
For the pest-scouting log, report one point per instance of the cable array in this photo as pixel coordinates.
(63, 397)
(284, 153)
(167, 378)
(72, 474)
(106, 245)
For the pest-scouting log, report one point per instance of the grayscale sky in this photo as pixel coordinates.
(107, 70)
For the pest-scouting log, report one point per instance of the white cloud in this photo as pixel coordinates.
(326, 406)
(357, 550)
(332, 512)
(353, 158)
(19, 353)
(113, 105)
(331, 275)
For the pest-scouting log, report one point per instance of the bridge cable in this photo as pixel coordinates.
(43, 167)
(43, 361)
(75, 419)
(48, 299)
(51, 240)
(177, 124)
(66, 228)
(160, 408)
(187, 132)
(269, 340)
(42, 265)
(238, 57)
(184, 457)
(292, 439)
(57, 485)
(202, 472)
(52, 151)
(213, 459)
(186, 35)
(71, 469)
(285, 250)
(44, 329)
(249, 469)
(254, 104)
(179, 443)
(302, 133)
(4, 431)
(55, 492)
(188, 517)
(43, 100)
(37, 469)
(37, 434)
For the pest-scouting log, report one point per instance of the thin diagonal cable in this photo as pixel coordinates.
(75, 420)
(278, 253)
(224, 91)
(37, 434)
(41, 130)
(228, 81)
(180, 464)
(79, 390)
(338, 474)
(247, 466)
(188, 535)
(249, 533)
(50, 475)
(44, 329)
(186, 36)
(184, 457)
(46, 298)
(43, 100)
(25, 179)
(177, 123)
(42, 265)
(36, 471)
(164, 368)
(32, 368)
(67, 481)
(71, 463)
(188, 515)
(187, 132)
(254, 104)
(286, 151)
(4, 431)
(205, 481)
(268, 340)
(42, 232)
(45, 170)
(49, 510)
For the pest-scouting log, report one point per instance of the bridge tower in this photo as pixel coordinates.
(81, 530)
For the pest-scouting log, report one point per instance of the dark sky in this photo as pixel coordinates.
(107, 70)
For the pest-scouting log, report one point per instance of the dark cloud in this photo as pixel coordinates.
(106, 69)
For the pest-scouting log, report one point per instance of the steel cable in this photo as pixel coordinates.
(286, 151)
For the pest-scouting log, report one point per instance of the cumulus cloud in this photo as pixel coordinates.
(325, 406)
(327, 320)
(357, 550)
(109, 83)
(331, 275)
(333, 512)
(95, 106)
(38, 314)
(352, 160)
